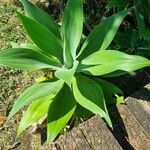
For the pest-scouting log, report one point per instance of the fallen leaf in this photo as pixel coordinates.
(2, 120)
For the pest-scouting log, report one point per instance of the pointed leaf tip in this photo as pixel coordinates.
(103, 34)
(90, 96)
(41, 16)
(37, 110)
(60, 111)
(34, 92)
(72, 27)
(42, 37)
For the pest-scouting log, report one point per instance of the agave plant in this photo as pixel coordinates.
(74, 65)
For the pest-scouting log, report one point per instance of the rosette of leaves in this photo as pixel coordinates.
(75, 66)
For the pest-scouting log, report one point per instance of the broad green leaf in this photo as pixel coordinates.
(40, 16)
(111, 92)
(29, 46)
(35, 111)
(36, 91)
(42, 37)
(26, 59)
(60, 111)
(67, 74)
(111, 61)
(101, 37)
(90, 96)
(82, 113)
(72, 26)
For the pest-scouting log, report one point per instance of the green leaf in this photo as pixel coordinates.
(42, 37)
(82, 113)
(35, 111)
(111, 92)
(29, 46)
(41, 16)
(102, 35)
(34, 92)
(67, 74)
(111, 61)
(113, 3)
(60, 111)
(144, 30)
(90, 96)
(72, 26)
(26, 59)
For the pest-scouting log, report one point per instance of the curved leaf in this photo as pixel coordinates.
(35, 111)
(110, 61)
(34, 92)
(27, 59)
(67, 74)
(111, 92)
(31, 46)
(82, 113)
(90, 96)
(26, 45)
(72, 26)
(103, 34)
(60, 111)
(40, 16)
(41, 36)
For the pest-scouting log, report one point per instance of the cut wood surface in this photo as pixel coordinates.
(139, 105)
(131, 129)
(91, 135)
(127, 130)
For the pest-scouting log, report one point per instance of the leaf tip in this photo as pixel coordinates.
(50, 138)
(18, 133)
(18, 14)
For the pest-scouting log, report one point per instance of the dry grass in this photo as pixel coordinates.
(12, 82)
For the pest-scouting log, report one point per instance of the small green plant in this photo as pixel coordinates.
(135, 38)
(74, 66)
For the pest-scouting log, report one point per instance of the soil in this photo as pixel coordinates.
(13, 82)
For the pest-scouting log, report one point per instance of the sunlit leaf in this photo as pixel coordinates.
(29, 46)
(26, 59)
(90, 96)
(102, 35)
(40, 16)
(35, 111)
(110, 61)
(41, 36)
(72, 25)
(36, 91)
(60, 111)
(67, 74)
